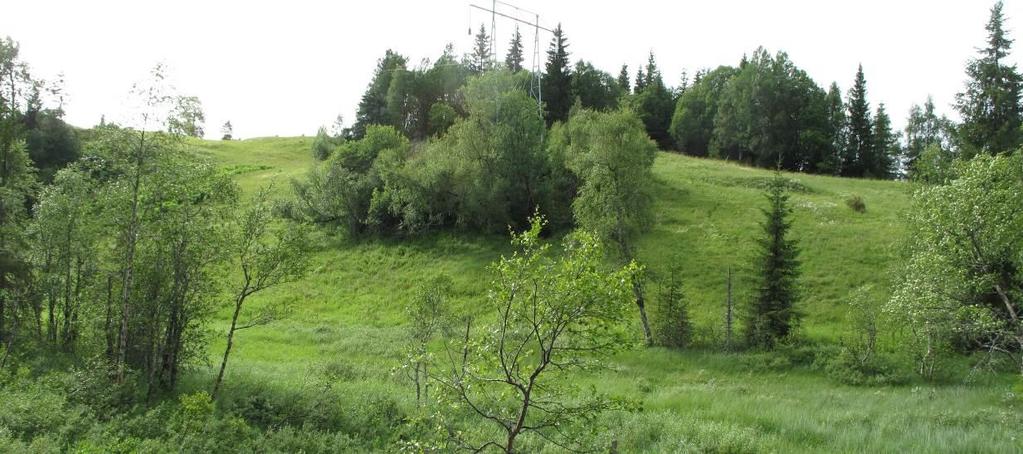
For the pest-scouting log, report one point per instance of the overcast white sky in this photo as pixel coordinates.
(285, 67)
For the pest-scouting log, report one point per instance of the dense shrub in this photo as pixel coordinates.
(856, 203)
(323, 145)
(848, 368)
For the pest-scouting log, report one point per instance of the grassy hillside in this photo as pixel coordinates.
(348, 317)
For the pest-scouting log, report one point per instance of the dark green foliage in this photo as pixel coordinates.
(858, 158)
(404, 98)
(513, 61)
(373, 108)
(886, 148)
(595, 89)
(557, 79)
(51, 143)
(773, 315)
(641, 80)
(494, 157)
(990, 105)
(831, 162)
(624, 85)
(675, 328)
(692, 124)
(771, 114)
(655, 104)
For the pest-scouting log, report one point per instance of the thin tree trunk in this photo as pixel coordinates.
(1014, 317)
(67, 288)
(129, 261)
(108, 324)
(3, 305)
(637, 291)
(230, 342)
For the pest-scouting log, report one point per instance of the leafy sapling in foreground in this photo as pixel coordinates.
(268, 255)
(550, 315)
(429, 316)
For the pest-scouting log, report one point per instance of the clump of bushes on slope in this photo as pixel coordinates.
(491, 169)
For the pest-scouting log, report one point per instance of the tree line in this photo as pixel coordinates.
(765, 111)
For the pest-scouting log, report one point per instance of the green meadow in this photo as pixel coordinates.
(344, 334)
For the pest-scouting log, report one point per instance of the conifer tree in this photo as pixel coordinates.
(990, 105)
(655, 104)
(557, 84)
(773, 314)
(653, 73)
(479, 60)
(513, 61)
(623, 79)
(886, 146)
(858, 154)
(837, 129)
(640, 81)
(373, 109)
(675, 328)
(683, 84)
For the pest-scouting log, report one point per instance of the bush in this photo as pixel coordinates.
(848, 368)
(856, 203)
(323, 145)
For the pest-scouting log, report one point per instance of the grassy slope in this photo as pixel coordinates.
(348, 312)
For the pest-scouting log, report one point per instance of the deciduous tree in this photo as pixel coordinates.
(548, 318)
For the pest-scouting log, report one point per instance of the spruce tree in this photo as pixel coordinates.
(832, 163)
(773, 315)
(513, 61)
(858, 155)
(886, 146)
(373, 105)
(640, 81)
(990, 105)
(623, 80)
(479, 60)
(653, 73)
(675, 328)
(683, 85)
(557, 83)
(655, 104)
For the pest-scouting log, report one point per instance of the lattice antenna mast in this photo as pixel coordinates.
(535, 89)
